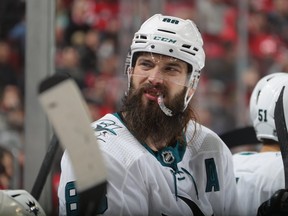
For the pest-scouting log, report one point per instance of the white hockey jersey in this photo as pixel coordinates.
(258, 176)
(196, 179)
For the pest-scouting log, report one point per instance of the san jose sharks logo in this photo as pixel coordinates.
(33, 207)
(106, 127)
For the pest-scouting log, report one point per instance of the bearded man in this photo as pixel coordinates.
(159, 160)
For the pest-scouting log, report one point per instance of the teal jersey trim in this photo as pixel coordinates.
(118, 115)
(169, 156)
(248, 153)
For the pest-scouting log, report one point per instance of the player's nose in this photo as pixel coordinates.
(155, 76)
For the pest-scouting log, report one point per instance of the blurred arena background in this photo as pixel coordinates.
(89, 39)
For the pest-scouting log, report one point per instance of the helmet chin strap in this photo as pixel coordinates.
(162, 106)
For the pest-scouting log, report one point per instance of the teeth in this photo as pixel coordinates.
(154, 92)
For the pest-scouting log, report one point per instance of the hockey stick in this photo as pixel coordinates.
(45, 168)
(46, 163)
(67, 111)
(282, 134)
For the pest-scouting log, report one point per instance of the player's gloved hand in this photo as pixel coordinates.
(277, 205)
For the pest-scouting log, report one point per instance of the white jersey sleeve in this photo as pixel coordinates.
(258, 176)
(67, 178)
(192, 179)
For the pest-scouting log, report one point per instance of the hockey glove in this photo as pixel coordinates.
(277, 205)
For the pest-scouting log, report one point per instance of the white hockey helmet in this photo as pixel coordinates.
(262, 104)
(19, 203)
(170, 36)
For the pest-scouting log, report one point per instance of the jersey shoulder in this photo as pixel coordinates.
(116, 141)
(254, 162)
(201, 138)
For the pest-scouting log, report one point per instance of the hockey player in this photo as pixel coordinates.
(260, 175)
(160, 161)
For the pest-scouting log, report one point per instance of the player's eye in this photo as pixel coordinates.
(145, 64)
(172, 70)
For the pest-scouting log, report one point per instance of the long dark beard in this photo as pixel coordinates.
(149, 121)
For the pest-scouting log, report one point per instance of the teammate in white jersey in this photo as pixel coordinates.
(260, 174)
(160, 161)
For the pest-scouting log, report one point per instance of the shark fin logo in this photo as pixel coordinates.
(106, 127)
(33, 208)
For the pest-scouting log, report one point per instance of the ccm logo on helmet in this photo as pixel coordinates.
(168, 20)
(169, 40)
